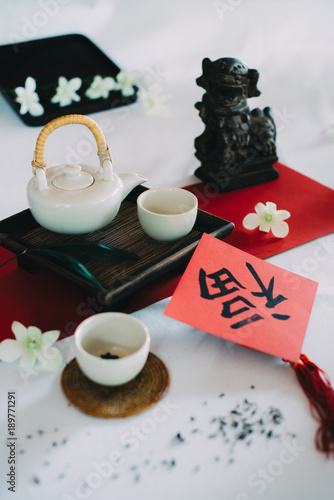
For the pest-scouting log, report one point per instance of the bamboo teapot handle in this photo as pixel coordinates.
(102, 147)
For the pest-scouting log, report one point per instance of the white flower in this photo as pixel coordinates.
(154, 101)
(125, 82)
(34, 348)
(66, 91)
(28, 98)
(100, 87)
(266, 218)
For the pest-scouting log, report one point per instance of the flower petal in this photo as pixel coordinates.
(36, 109)
(62, 81)
(109, 82)
(23, 109)
(33, 330)
(155, 101)
(30, 84)
(28, 359)
(92, 93)
(97, 80)
(75, 83)
(265, 226)
(251, 221)
(54, 99)
(20, 91)
(280, 229)
(127, 91)
(49, 338)
(50, 360)
(75, 97)
(19, 330)
(282, 215)
(260, 208)
(271, 207)
(123, 77)
(64, 101)
(10, 350)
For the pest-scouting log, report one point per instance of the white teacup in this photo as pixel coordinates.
(123, 342)
(167, 213)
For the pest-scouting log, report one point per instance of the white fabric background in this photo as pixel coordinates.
(291, 44)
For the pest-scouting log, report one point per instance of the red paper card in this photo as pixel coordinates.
(236, 296)
(311, 206)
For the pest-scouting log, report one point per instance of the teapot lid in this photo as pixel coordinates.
(72, 178)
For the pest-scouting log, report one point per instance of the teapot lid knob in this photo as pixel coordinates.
(73, 178)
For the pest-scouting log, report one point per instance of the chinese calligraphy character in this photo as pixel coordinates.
(218, 283)
(223, 290)
(227, 313)
(268, 293)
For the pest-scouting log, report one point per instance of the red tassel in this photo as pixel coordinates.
(317, 387)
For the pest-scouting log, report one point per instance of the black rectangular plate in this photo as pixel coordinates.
(46, 60)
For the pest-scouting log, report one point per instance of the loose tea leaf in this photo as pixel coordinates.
(107, 355)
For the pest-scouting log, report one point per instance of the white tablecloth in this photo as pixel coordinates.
(64, 454)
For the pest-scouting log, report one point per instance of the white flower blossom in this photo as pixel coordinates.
(33, 348)
(267, 218)
(66, 91)
(28, 98)
(126, 81)
(100, 87)
(154, 101)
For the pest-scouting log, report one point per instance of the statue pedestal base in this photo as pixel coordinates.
(226, 180)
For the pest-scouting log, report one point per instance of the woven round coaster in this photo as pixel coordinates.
(144, 391)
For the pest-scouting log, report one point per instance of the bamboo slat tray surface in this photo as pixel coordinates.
(121, 278)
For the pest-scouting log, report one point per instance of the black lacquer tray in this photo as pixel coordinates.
(121, 278)
(46, 60)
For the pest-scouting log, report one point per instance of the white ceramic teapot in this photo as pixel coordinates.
(76, 199)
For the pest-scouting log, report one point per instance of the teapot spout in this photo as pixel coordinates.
(130, 181)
